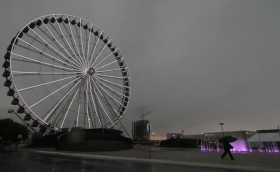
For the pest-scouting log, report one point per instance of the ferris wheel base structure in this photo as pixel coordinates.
(99, 139)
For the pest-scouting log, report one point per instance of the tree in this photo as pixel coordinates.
(9, 130)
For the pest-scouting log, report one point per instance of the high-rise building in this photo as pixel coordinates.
(139, 130)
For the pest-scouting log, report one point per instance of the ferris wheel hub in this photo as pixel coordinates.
(91, 71)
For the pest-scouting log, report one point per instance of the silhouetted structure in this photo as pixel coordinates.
(173, 135)
(78, 135)
(180, 143)
(139, 130)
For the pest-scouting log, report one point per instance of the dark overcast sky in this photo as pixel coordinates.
(193, 63)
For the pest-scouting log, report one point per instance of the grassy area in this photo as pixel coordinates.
(94, 145)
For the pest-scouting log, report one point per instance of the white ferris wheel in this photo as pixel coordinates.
(63, 71)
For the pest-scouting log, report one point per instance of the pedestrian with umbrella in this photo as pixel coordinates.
(226, 140)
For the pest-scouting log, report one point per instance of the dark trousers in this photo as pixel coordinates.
(229, 153)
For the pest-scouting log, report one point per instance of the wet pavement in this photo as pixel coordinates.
(28, 161)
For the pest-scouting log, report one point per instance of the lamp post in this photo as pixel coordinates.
(222, 128)
(153, 136)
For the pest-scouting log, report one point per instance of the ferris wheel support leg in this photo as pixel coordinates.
(125, 129)
(47, 132)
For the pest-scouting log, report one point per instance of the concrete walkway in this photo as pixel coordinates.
(192, 157)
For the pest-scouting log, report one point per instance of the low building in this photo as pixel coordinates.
(265, 140)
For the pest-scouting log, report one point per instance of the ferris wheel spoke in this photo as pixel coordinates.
(108, 76)
(63, 40)
(20, 73)
(81, 40)
(42, 63)
(48, 55)
(39, 85)
(75, 42)
(95, 47)
(108, 70)
(52, 93)
(105, 99)
(67, 59)
(104, 46)
(101, 93)
(66, 42)
(116, 104)
(79, 43)
(63, 98)
(119, 116)
(42, 52)
(118, 85)
(96, 85)
(107, 64)
(92, 47)
(61, 48)
(114, 91)
(87, 104)
(103, 108)
(79, 104)
(69, 108)
(39, 53)
(54, 38)
(105, 58)
(59, 114)
(112, 109)
(88, 41)
(94, 105)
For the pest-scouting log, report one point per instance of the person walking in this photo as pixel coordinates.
(227, 148)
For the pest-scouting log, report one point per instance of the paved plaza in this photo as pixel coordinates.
(190, 157)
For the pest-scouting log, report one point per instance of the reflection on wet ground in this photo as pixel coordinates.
(24, 161)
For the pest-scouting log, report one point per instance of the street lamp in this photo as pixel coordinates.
(222, 128)
(153, 136)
